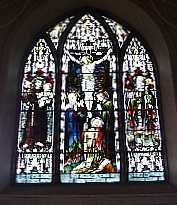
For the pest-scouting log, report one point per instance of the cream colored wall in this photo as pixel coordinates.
(16, 37)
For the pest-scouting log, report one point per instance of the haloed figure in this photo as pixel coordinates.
(94, 140)
(95, 161)
(88, 81)
(107, 116)
(38, 96)
(75, 116)
(93, 152)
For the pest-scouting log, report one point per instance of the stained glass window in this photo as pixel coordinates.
(120, 32)
(142, 126)
(89, 122)
(56, 32)
(36, 125)
(89, 106)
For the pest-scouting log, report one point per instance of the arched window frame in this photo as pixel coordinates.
(120, 53)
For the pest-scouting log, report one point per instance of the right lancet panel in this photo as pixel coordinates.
(142, 126)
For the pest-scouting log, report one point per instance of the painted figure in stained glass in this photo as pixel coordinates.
(35, 134)
(141, 111)
(92, 146)
(107, 116)
(92, 116)
(38, 95)
(94, 152)
(141, 108)
(87, 72)
(75, 116)
(98, 138)
(87, 63)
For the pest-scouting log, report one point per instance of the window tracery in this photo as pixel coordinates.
(86, 112)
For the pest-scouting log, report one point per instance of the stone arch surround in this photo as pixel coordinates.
(20, 38)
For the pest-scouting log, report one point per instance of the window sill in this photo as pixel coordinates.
(134, 188)
(35, 197)
(90, 194)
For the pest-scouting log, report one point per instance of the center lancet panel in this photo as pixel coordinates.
(89, 139)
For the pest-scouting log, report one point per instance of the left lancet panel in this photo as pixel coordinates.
(35, 132)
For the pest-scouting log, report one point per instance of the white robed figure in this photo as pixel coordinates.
(88, 81)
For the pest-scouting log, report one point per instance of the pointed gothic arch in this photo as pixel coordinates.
(118, 70)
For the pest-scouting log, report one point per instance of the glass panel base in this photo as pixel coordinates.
(147, 176)
(34, 178)
(90, 178)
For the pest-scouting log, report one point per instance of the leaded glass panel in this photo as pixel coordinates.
(142, 126)
(120, 32)
(56, 32)
(99, 135)
(35, 134)
(90, 140)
